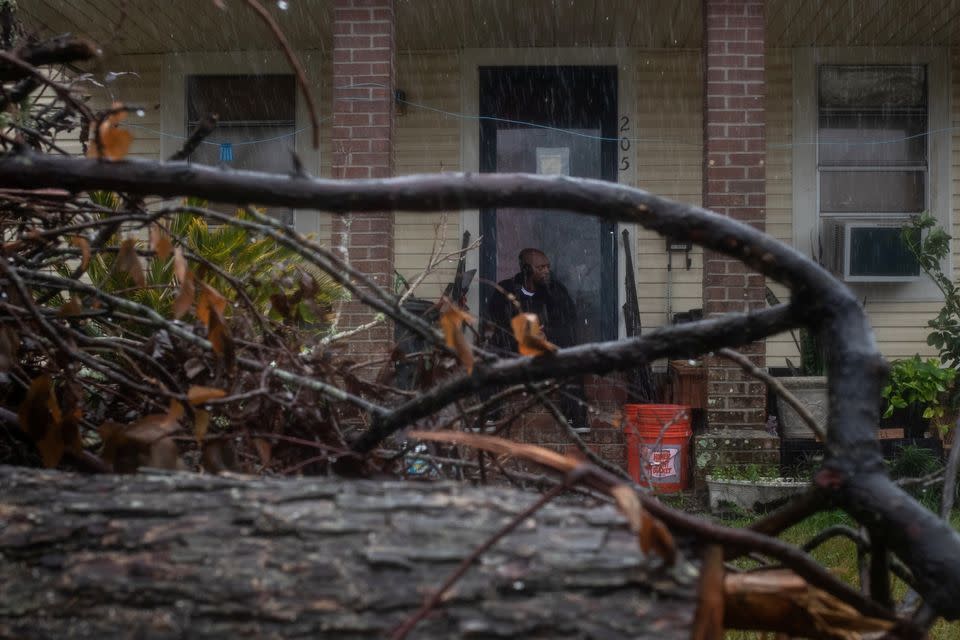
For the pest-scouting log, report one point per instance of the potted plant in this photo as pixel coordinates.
(916, 394)
(807, 382)
(754, 487)
(930, 245)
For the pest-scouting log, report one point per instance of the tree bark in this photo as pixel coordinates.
(194, 556)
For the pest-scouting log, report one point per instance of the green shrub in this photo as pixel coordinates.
(918, 383)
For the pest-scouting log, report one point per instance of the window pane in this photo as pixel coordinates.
(241, 98)
(851, 139)
(856, 87)
(880, 251)
(872, 191)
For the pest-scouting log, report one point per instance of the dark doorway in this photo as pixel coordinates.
(553, 120)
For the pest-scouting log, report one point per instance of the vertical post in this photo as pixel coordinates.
(734, 184)
(364, 72)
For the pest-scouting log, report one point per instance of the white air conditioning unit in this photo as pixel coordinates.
(868, 251)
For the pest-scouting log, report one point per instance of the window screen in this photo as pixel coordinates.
(880, 251)
(872, 143)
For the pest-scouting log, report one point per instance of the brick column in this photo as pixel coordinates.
(734, 184)
(364, 69)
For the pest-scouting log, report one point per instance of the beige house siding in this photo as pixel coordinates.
(780, 179)
(666, 120)
(426, 141)
(668, 160)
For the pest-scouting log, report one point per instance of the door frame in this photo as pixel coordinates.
(624, 59)
(489, 253)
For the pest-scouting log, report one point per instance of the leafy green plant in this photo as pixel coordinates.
(918, 383)
(930, 245)
(913, 461)
(270, 273)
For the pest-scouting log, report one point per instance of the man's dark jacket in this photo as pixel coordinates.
(553, 307)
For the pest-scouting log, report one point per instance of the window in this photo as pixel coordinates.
(256, 127)
(871, 143)
(870, 147)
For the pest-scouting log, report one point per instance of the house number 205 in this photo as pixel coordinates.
(624, 142)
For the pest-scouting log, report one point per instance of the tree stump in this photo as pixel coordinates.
(178, 555)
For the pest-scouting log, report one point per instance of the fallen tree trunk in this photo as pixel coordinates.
(184, 555)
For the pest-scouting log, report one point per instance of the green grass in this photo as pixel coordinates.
(840, 556)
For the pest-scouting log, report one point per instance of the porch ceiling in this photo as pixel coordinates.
(801, 23)
(197, 25)
(157, 26)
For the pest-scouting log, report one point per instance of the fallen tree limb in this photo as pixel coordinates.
(853, 476)
(160, 555)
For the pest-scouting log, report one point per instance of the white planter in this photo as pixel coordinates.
(753, 495)
(811, 391)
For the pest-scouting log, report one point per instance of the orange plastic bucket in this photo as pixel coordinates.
(658, 445)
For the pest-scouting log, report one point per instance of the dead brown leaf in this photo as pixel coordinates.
(529, 335)
(264, 450)
(145, 442)
(40, 418)
(198, 395)
(72, 414)
(185, 296)
(209, 299)
(160, 241)
(652, 535)
(129, 262)
(115, 142)
(201, 422)
(71, 307)
(151, 428)
(84, 246)
(220, 339)
(452, 318)
(180, 266)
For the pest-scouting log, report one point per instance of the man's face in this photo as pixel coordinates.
(540, 269)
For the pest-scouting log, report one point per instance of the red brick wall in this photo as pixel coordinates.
(364, 70)
(605, 395)
(734, 184)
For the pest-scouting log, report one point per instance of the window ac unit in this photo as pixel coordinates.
(868, 251)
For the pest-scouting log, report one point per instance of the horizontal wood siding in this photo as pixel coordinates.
(426, 142)
(780, 180)
(668, 117)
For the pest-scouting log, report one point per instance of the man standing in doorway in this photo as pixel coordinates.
(537, 292)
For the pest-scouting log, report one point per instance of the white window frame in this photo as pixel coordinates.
(173, 91)
(624, 59)
(806, 222)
